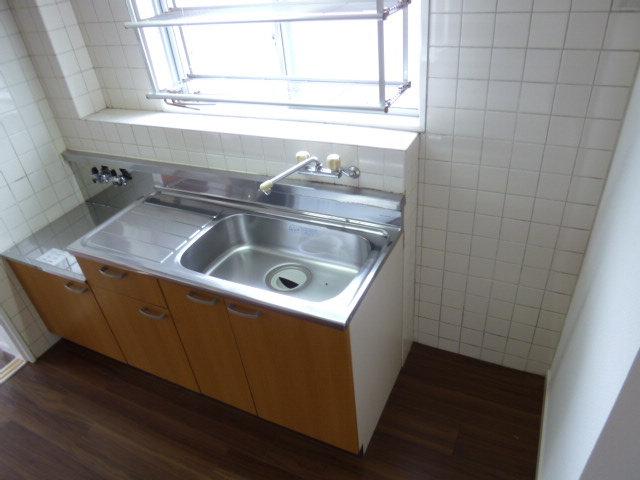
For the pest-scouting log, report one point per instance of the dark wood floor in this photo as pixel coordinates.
(77, 415)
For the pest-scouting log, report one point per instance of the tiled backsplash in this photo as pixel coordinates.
(122, 132)
(524, 107)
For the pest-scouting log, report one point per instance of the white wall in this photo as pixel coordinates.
(36, 186)
(585, 410)
(6, 344)
(616, 453)
(525, 101)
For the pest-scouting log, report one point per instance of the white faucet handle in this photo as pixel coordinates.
(266, 186)
(301, 156)
(333, 162)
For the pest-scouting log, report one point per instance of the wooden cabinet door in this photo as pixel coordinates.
(68, 309)
(125, 282)
(299, 372)
(205, 331)
(148, 337)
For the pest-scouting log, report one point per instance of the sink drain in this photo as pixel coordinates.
(288, 278)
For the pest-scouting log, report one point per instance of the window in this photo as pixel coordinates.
(325, 55)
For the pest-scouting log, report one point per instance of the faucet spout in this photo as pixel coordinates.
(304, 161)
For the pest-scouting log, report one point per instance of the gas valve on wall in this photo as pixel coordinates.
(106, 175)
(122, 179)
(100, 176)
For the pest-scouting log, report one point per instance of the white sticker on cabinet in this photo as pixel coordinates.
(54, 257)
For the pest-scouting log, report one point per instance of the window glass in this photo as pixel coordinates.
(233, 50)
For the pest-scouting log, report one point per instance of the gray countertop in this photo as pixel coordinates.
(46, 249)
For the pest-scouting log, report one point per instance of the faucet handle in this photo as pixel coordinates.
(334, 162)
(302, 155)
(100, 176)
(266, 186)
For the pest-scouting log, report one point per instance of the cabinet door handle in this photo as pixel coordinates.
(145, 311)
(105, 271)
(192, 296)
(69, 286)
(232, 309)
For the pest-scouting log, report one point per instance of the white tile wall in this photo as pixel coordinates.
(36, 186)
(56, 45)
(114, 53)
(524, 107)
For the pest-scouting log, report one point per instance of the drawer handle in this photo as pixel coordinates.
(192, 296)
(104, 271)
(69, 286)
(145, 311)
(232, 309)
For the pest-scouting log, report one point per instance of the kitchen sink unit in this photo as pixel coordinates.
(287, 306)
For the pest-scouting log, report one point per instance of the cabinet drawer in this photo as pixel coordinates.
(125, 282)
(148, 337)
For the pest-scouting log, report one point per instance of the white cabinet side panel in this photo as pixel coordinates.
(376, 344)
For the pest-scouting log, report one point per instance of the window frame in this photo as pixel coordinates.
(412, 119)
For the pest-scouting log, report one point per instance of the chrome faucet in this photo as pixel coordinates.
(304, 159)
(308, 165)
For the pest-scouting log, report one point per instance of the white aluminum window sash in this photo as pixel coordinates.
(276, 12)
(383, 9)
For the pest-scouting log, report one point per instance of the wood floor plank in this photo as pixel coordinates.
(77, 414)
(155, 404)
(484, 380)
(25, 454)
(137, 433)
(489, 448)
(429, 431)
(464, 406)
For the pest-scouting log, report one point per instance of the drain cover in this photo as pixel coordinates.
(287, 278)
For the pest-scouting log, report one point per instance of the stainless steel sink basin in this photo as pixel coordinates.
(310, 262)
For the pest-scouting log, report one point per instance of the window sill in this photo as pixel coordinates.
(281, 129)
